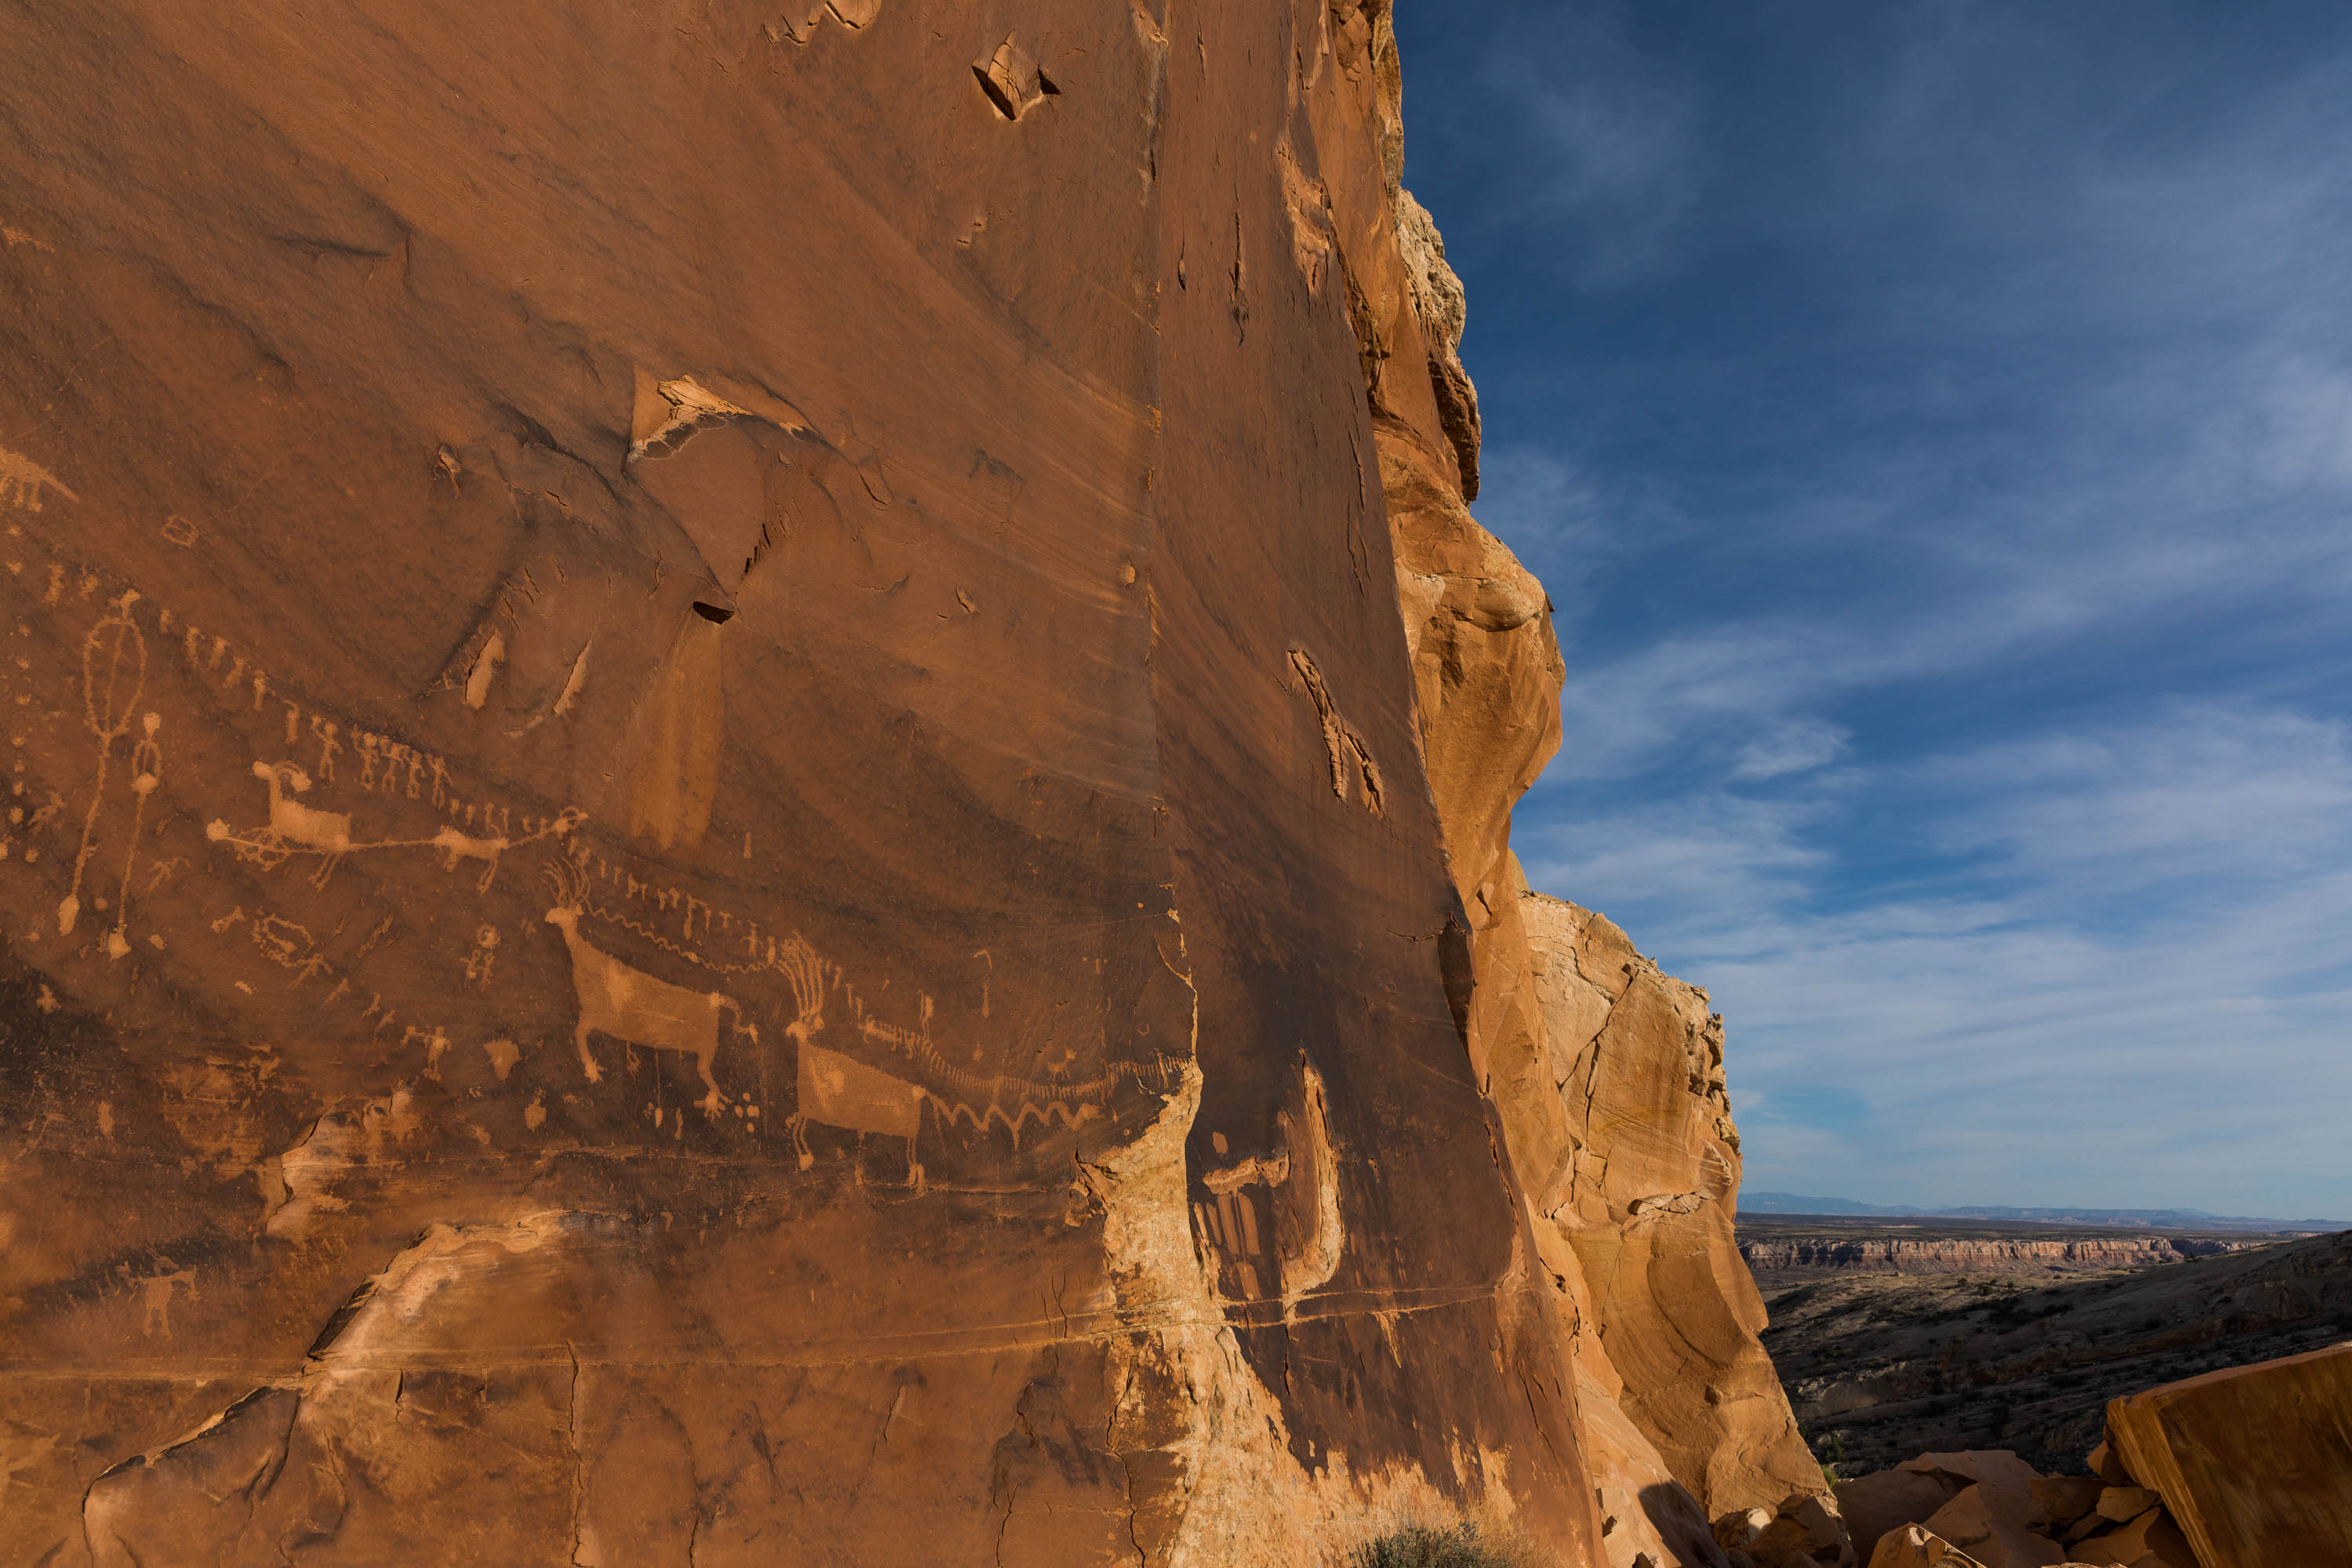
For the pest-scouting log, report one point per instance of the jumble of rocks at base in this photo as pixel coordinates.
(1988, 1509)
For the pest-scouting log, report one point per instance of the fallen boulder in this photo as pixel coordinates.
(1913, 1546)
(2253, 1463)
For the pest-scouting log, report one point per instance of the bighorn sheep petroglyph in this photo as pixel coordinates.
(636, 1008)
(836, 1090)
(292, 824)
(455, 847)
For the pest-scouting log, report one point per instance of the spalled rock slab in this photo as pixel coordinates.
(717, 834)
(2254, 1463)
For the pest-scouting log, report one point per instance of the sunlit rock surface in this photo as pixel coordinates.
(717, 845)
(760, 786)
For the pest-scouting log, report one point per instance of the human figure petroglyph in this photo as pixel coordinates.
(146, 772)
(21, 480)
(155, 1297)
(113, 673)
(634, 1007)
(484, 958)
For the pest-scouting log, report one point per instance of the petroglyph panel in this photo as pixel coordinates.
(656, 801)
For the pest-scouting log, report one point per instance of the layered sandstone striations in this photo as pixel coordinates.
(717, 844)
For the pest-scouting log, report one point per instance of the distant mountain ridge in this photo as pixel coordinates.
(1756, 1203)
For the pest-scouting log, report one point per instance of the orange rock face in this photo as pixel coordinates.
(2254, 1463)
(1607, 1076)
(718, 848)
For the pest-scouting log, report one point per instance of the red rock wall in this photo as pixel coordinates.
(718, 842)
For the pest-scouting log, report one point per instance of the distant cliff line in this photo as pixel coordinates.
(1953, 1257)
(1792, 1204)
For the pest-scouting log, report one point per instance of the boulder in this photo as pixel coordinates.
(2123, 1504)
(1887, 1500)
(2067, 1499)
(1911, 1546)
(2254, 1463)
(1994, 1523)
(2151, 1541)
(1993, 1467)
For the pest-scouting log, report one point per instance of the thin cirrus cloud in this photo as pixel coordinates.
(1935, 425)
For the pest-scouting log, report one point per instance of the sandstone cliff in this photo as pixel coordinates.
(1607, 1075)
(722, 840)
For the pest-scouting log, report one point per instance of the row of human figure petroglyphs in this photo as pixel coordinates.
(326, 787)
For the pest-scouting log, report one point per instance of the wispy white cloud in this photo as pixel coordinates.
(2026, 1040)
(1945, 487)
(1616, 139)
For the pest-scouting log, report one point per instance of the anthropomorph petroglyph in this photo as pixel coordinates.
(21, 480)
(113, 673)
(634, 1007)
(146, 772)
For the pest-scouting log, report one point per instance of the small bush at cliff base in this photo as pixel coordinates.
(1418, 1546)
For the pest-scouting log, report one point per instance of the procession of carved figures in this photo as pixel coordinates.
(322, 791)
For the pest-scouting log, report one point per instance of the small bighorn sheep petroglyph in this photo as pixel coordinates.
(292, 824)
(634, 1007)
(455, 847)
(21, 480)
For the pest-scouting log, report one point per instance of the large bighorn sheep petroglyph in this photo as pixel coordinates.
(836, 1090)
(292, 824)
(636, 1008)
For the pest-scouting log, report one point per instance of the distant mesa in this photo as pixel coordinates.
(2165, 1219)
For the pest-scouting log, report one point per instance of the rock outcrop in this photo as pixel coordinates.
(2253, 1463)
(1991, 1509)
(718, 845)
(1607, 1076)
(761, 788)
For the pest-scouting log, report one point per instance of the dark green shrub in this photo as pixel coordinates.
(1419, 1546)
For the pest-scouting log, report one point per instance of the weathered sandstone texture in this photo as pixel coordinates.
(1607, 1076)
(717, 847)
(2254, 1463)
(722, 843)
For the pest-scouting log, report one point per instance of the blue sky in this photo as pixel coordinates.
(1934, 424)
